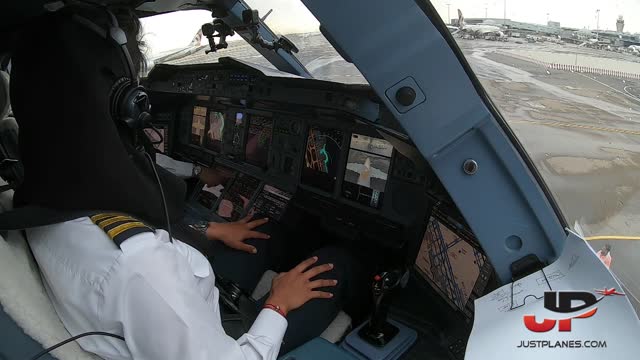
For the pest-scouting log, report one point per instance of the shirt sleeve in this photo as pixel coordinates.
(165, 317)
(179, 168)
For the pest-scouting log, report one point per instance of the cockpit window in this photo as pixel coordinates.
(566, 78)
(173, 39)
(292, 19)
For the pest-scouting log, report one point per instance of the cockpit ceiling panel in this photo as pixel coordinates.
(163, 6)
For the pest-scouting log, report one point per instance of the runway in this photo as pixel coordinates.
(582, 130)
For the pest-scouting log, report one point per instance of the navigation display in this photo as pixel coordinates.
(271, 202)
(208, 195)
(259, 140)
(321, 158)
(198, 125)
(237, 142)
(215, 129)
(235, 199)
(457, 270)
(367, 170)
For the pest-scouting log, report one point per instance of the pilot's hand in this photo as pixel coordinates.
(291, 290)
(235, 233)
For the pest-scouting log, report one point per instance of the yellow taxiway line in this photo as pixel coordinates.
(611, 237)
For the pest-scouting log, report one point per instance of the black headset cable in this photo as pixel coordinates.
(90, 333)
(164, 201)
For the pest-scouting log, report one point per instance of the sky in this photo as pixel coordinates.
(175, 30)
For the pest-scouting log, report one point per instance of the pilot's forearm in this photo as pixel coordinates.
(212, 230)
(179, 168)
(184, 323)
(200, 226)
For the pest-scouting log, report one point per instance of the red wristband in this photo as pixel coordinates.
(275, 308)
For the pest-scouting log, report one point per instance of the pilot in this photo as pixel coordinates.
(123, 274)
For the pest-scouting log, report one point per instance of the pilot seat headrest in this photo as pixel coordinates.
(5, 103)
(75, 156)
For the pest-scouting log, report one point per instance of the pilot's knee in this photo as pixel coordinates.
(340, 260)
(272, 229)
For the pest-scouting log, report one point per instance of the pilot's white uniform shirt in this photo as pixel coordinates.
(160, 296)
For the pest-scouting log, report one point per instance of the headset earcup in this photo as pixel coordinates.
(116, 96)
(130, 104)
(135, 107)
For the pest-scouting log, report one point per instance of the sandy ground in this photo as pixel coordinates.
(583, 134)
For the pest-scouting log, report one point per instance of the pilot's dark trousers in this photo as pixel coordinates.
(246, 269)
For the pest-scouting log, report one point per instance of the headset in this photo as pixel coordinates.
(128, 100)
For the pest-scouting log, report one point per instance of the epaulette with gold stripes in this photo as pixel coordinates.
(120, 227)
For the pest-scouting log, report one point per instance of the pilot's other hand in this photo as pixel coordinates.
(292, 289)
(234, 234)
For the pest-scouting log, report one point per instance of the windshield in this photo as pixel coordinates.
(568, 84)
(566, 78)
(169, 40)
(292, 19)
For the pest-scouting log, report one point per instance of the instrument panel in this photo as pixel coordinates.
(322, 156)
(283, 141)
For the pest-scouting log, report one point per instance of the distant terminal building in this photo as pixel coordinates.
(534, 28)
(476, 21)
(620, 39)
(620, 24)
(554, 28)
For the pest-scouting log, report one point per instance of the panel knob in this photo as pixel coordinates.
(406, 96)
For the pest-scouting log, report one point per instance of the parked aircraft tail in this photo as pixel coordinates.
(460, 19)
(196, 39)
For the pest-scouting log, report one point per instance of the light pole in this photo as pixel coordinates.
(598, 24)
(486, 10)
(504, 17)
(449, 13)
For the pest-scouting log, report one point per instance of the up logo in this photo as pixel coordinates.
(561, 302)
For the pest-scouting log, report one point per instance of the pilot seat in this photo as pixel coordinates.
(27, 318)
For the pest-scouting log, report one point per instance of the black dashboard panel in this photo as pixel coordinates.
(286, 141)
(237, 80)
